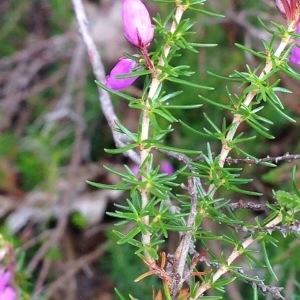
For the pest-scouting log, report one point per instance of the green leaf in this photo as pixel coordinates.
(177, 150)
(170, 96)
(133, 74)
(267, 261)
(164, 114)
(294, 176)
(186, 106)
(129, 236)
(115, 187)
(258, 54)
(215, 103)
(219, 284)
(122, 95)
(291, 201)
(127, 132)
(121, 149)
(259, 128)
(189, 83)
(119, 295)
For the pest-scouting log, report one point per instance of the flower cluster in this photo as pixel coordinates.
(139, 31)
(290, 9)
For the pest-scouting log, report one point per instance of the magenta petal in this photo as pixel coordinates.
(280, 7)
(138, 29)
(166, 167)
(123, 67)
(4, 279)
(295, 53)
(135, 169)
(8, 294)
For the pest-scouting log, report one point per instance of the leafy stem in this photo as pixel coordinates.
(226, 148)
(238, 118)
(232, 257)
(145, 128)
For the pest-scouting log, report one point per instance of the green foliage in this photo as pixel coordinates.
(200, 104)
(211, 183)
(126, 268)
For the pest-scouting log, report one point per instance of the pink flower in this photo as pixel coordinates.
(289, 9)
(295, 53)
(138, 29)
(166, 167)
(7, 292)
(123, 67)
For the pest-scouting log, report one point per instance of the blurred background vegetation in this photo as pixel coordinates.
(52, 136)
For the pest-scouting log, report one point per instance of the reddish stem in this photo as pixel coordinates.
(149, 62)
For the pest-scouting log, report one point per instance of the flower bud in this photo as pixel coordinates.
(138, 29)
(123, 67)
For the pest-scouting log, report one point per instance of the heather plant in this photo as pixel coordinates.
(216, 245)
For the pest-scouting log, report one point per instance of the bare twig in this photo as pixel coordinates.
(69, 194)
(273, 290)
(35, 240)
(56, 42)
(247, 205)
(76, 267)
(284, 229)
(181, 253)
(43, 274)
(268, 159)
(98, 69)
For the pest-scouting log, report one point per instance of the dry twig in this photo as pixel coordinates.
(98, 69)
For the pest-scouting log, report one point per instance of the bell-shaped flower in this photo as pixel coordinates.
(295, 53)
(290, 9)
(123, 67)
(138, 29)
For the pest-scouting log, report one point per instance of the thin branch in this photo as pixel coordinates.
(226, 148)
(232, 257)
(181, 253)
(187, 161)
(268, 159)
(98, 70)
(69, 194)
(284, 229)
(77, 266)
(145, 128)
(247, 205)
(273, 290)
(238, 118)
